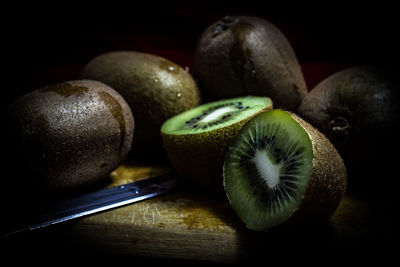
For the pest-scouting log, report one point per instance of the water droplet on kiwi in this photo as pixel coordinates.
(179, 95)
(253, 73)
(156, 80)
(169, 66)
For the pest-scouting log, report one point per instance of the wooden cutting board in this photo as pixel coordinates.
(198, 226)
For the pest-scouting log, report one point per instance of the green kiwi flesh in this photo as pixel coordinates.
(279, 168)
(203, 135)
(242, 55)
(154, 87)
(69, 135)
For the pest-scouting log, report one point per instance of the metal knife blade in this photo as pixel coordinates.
(101, 200)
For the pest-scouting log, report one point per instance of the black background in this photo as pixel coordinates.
(51, 43)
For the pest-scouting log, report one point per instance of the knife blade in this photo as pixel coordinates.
(99, 201)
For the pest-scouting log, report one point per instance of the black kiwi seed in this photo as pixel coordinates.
(279, 167)
(290, 168)
(193, 122)
(206, 141)
(155, 89)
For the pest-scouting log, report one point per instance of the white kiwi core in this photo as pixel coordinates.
(268, 171)
(217, 113)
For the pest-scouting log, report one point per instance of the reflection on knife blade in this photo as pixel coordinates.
(102, 200)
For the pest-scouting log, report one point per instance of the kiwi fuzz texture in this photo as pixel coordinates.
(240, 55)
(198, 154)
(69, 135)
(154, 87)
(358, 110)
(328, 181)
(315, 193)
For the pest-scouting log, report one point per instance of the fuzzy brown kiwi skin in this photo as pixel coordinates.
(328, 181)
(242, 55)
(154, 87)
(199, 158)
(358, 110)
(69, 135)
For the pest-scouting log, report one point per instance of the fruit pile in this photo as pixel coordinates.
(244, 125)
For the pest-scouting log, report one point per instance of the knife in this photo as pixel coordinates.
(98, 201)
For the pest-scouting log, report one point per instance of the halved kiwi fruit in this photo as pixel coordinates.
(280, 168)
(204, 134)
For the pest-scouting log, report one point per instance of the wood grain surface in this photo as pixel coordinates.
(193, 225)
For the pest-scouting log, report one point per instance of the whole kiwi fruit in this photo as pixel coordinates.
(280, 170)
(241, 55)
(197, 140)
(154, 87)
(68, 136)
(358, 110)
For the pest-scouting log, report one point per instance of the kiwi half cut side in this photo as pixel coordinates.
(280, 169)
(197, 140)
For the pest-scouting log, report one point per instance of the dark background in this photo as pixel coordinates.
(44, 44)
(48, 43)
